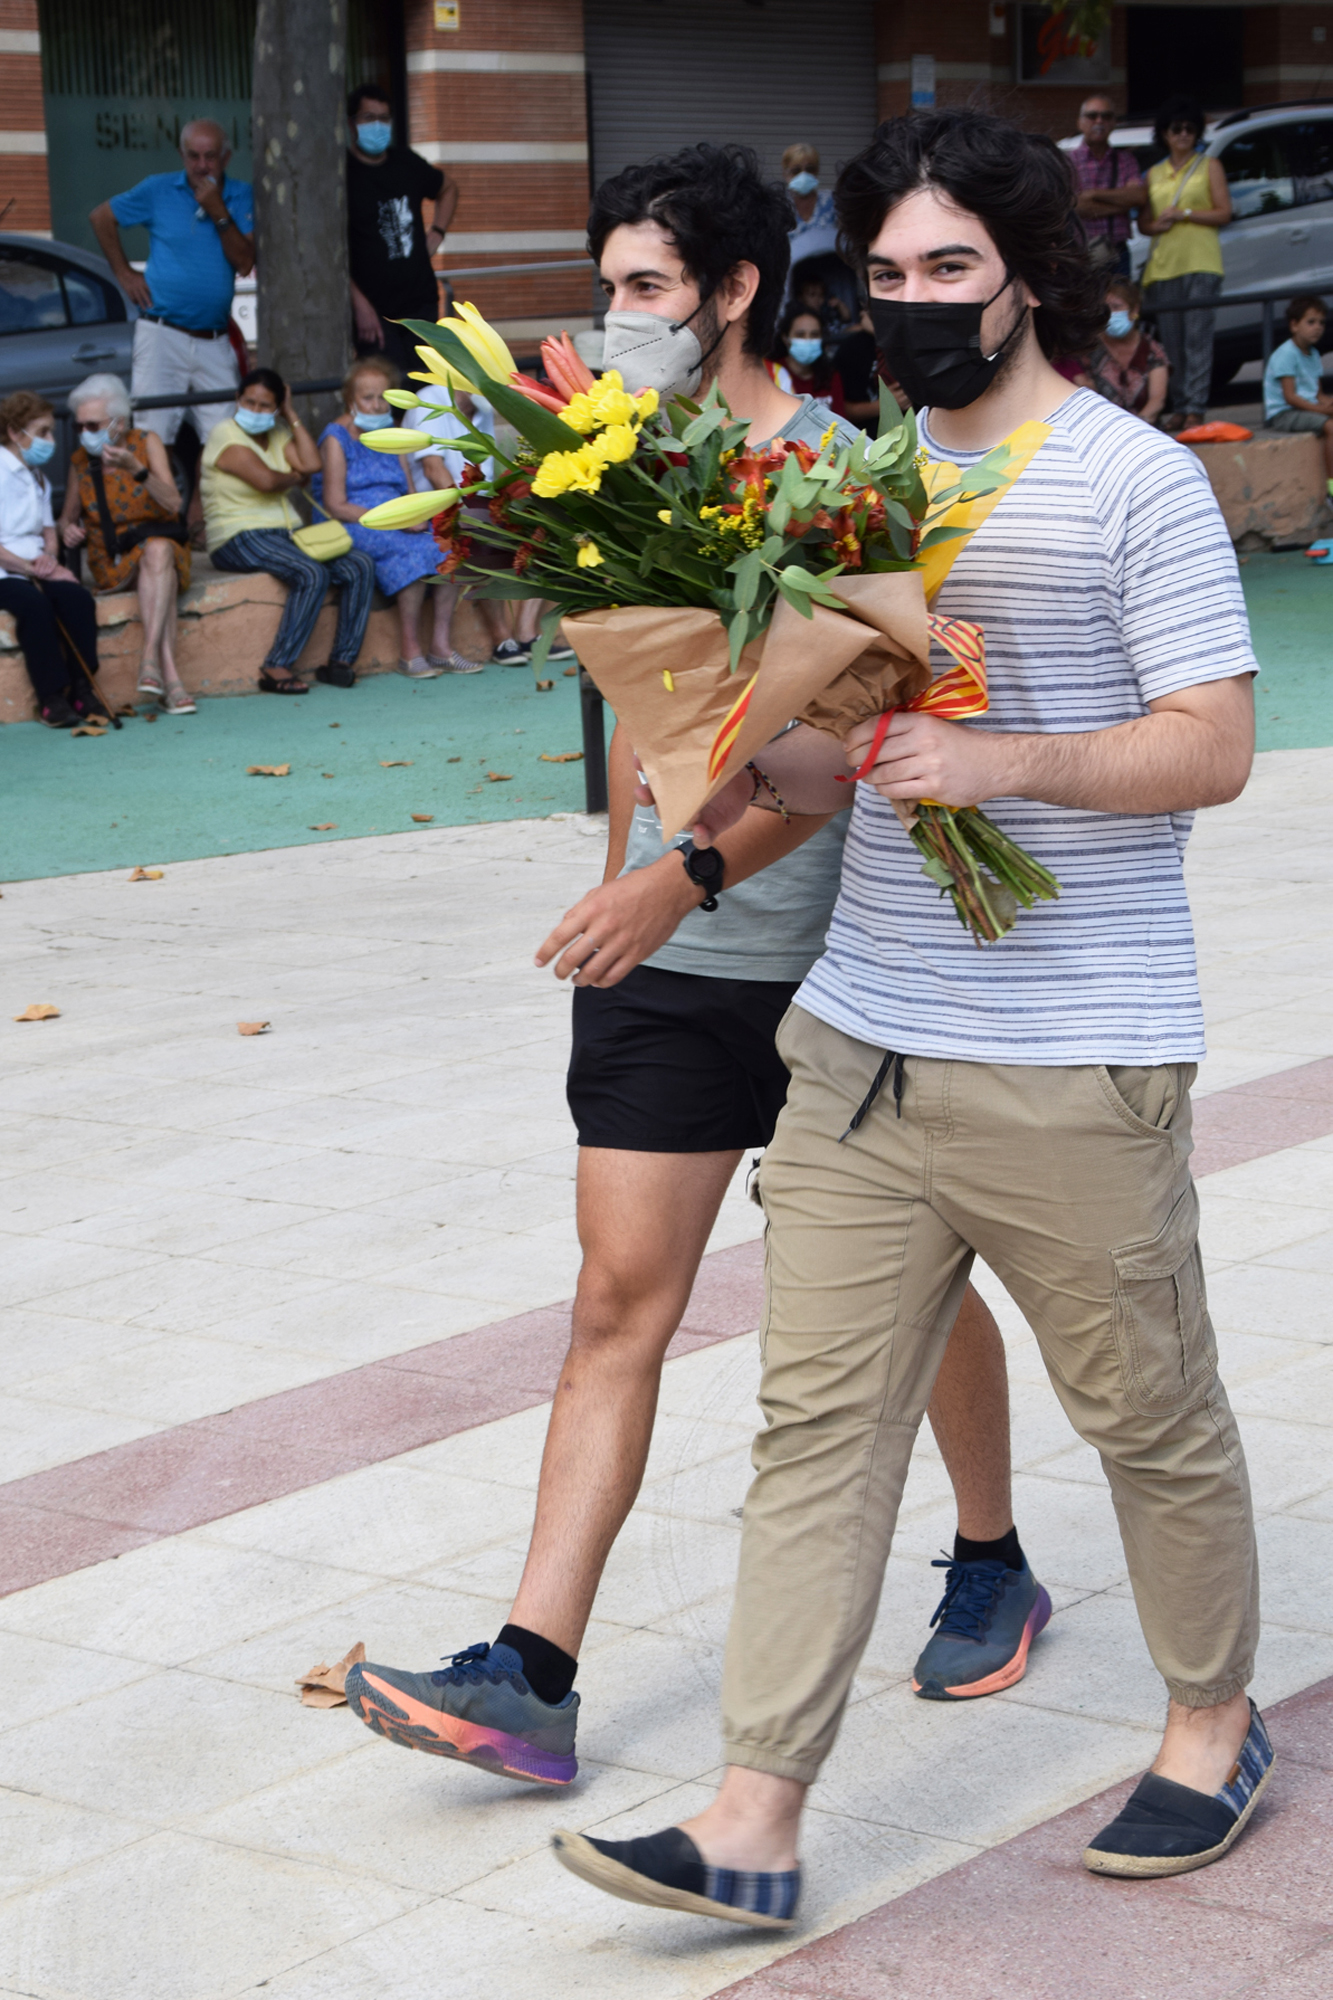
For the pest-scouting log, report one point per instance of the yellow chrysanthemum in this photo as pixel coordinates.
(580, 415)
(396, 442)
(610, 401)
(589, 555)
(409, 510)
(482, 342)
(646, 403)
(568, 472)
(615, 444)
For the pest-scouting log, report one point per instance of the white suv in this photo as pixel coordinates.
(1278, 160)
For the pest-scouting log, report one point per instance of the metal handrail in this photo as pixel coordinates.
(1265, 299)
(513, 270)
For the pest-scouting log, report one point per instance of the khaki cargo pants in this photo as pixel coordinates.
(1074, 1185)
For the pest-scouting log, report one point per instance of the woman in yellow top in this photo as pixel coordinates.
(1190, 201)
(251, 463)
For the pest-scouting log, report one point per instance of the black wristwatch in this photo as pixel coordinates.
(705, 867)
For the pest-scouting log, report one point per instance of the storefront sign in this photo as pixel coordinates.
(1049, 53)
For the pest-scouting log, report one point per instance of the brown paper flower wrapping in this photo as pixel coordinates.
(832, 671)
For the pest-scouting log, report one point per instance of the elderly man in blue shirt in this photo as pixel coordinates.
(200, 237)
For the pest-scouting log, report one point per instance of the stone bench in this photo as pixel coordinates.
(1271, 489)
(227, 624)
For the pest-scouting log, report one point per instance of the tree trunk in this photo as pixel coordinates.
(300, 153)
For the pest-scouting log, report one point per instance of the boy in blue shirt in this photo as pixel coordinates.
(1294, 398)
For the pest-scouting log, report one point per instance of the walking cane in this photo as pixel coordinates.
(65, 634)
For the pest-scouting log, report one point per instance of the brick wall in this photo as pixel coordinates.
(500, 104)
(1283, 59)
(23, 137)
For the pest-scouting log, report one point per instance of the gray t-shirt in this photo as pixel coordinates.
(771, 926)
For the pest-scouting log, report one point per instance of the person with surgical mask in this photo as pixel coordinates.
(389, 251)
(1128, 366)
(37, 590)
(803, 356)
(813, 204)
(251, 465)
(355, 479)
(123, 507)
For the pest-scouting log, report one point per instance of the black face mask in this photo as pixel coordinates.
(934, 350)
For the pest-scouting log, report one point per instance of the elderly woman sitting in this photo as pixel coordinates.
(354, 479)
(53, 613)
(121, 502)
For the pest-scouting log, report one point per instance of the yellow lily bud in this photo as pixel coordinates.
(403, 399)
(664, 514)
(409, 510)
(483, 343)
(396, 442)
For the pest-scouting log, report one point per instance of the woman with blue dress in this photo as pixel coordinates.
(355, 478)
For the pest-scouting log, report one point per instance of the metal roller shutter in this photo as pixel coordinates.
(669, 73)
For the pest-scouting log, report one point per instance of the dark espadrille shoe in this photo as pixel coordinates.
(1167, 1829)
(667, 1871)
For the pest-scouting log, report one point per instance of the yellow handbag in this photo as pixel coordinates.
(325, 540)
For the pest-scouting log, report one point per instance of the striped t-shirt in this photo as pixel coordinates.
(1104, 580)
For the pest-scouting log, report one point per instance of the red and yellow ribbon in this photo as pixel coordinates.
(955, 695)
(725, 740)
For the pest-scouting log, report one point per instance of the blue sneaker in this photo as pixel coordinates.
(1166, 1829)
(986, 1620)
(667, 1871)
(478, 1709)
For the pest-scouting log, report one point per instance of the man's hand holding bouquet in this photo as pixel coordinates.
(714, 592)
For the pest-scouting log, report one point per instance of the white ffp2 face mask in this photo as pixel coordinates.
(651, 351)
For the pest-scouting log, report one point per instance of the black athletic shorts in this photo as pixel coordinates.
(675, 1062)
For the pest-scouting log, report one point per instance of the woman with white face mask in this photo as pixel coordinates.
(354, 479)
(250, 465)
(37, 590)
(122, 506)
(1127, 366)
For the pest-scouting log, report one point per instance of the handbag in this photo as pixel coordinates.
(325, 540)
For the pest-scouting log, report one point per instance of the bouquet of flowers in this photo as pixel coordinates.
(714, 591)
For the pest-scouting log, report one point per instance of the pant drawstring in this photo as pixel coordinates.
(891, 1058)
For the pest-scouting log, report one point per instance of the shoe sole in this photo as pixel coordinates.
(429, 674)
(394, 1715)
(1142, 1866)
(1010, 1673)
(581, 1858)
(472, 667)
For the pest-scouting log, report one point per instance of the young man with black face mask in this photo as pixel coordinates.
(684, 964)
(1044, 1118)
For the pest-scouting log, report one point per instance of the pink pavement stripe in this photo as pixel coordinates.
(1027, 1920)
(92, 1508)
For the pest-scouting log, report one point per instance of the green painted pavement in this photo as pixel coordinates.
(1290, 602)
(177, 790)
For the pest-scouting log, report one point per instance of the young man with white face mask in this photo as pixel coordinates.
(1044, 1119)
(684, 962)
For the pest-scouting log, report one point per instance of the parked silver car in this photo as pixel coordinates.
(62, 316)
(1278, 160)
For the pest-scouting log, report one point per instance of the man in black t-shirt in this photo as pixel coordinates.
(389, 251)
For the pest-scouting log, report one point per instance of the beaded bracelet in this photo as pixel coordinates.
(761, 778)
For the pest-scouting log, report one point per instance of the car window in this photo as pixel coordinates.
(1258, 173)
(30, 296)
(1309, 146)
(88, 302)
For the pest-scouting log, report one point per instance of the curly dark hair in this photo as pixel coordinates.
(718, 211)
(824, 369)
(1179, 110)
(1018, 183)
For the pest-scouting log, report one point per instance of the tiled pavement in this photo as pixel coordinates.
(201, 1229)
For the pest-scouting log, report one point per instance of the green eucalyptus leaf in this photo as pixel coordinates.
(738, 634)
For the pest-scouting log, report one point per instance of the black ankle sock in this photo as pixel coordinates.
(1006, 1550)
(548, 1672)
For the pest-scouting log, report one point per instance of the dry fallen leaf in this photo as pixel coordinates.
(453, 760)
(327, 774)
(89, 728)
(323, 1686)
(544, 687)
(253, 1027)
(569, 671)
(126, 708)
(335, 725)
(146, 875)
(152, 715)
(268, 770)
(565, 757)
(423, 816)
(395, 763)
(39, 1011)
(325, 826)
(500, 777)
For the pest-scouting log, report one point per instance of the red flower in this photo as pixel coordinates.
(458, 555)
(522, 557)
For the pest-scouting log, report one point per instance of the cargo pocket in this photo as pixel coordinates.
(1163, 1334)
